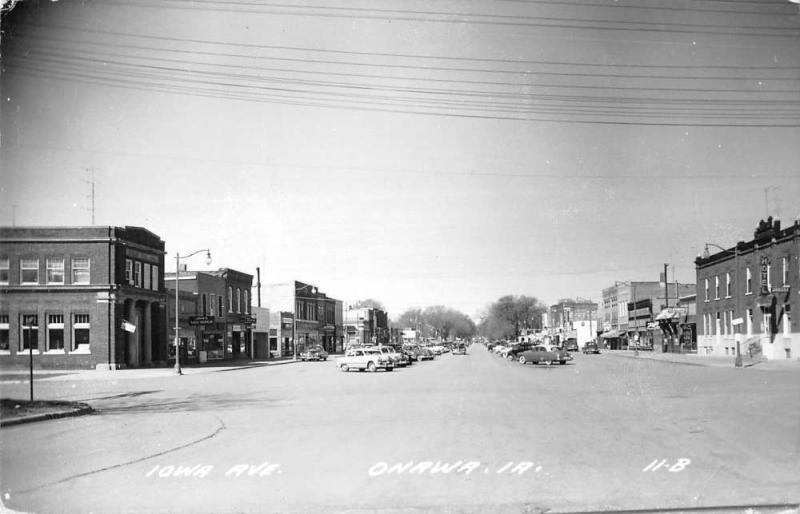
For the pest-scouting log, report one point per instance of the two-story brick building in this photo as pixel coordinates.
(82, 297)
(748, 293)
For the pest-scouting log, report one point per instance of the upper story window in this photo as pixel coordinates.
(137, 274)
(55, 270)
(146, 282)
(230, 298)
(748, 281)
(4, 270)
(80, 270)
(245, 302)
(205, 304)
(219, 305)
(706, 288)
(785, 270)
(154, 277)
(238, 300)
(129, 271)
(716, 287)
(727, 285)
(29, 271)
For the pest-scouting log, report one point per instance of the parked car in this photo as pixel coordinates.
(571, 345)
(364, 359)
(540, 354)
(436, 349)
(515, 350)
(395, 356)
(314, 353)
(459, 349)
(425, 354)
(591, 347)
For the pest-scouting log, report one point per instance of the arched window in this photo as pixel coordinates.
(238, 300)
(230, 298)
(246, 302)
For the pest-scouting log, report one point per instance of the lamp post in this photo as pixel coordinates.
(178, 258)
(736, 335)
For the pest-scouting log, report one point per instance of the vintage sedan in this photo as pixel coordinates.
(364, 359)
(314, 353)
(540, 354)
(590, 347)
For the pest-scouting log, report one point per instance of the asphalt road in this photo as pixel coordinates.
(470, 433)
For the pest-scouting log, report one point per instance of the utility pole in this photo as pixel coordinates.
(666, 287)
(91, 183)
(258, 284)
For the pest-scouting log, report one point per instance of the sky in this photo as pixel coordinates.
(441, 152)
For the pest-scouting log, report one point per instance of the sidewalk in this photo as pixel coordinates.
(691, 359)
(21, 375)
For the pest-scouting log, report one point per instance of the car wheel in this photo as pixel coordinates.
(522, 359)
(371, 366)
(389, 369)
(562, 362)
(547, 363)
(344, 367)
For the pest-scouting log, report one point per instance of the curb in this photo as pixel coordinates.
(80, 410)
(666, 361)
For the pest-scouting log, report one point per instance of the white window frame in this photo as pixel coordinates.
(727, 284)
(5, 270)
(26, 265)
(54, 265)
(230, 298)
(154, 277)
(748, 281)
(706, 288)
(53, 323)
(211, 301)
(78, 323)
(137, 274)
(246, 302)
(5, 327)
(79, 266)
(239, 300)
(716, 287)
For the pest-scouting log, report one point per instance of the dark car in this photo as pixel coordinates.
(512, 353)
(591, 347)
(571, 345)
(540, 354)
(460, 349)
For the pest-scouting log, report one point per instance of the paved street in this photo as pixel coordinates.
(468, 433)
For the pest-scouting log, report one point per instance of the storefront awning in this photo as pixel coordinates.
(671, 314)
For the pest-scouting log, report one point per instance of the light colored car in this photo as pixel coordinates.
(396, 357)
(314, 353)
(364, 359)
(540, 354)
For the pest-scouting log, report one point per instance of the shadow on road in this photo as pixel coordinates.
(191, 403)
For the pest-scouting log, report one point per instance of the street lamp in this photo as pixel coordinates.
(178, 258)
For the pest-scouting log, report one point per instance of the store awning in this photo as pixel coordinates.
(611, 334)
(671, 313)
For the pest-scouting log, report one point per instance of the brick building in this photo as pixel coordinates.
(749, 292)
(222, 298)
(572, 319)
(366, 325)
(82, 297)
(310, 311)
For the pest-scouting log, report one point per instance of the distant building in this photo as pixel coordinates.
(366, 325)
(222, 299)
(572, 319)
(82, 297)
(749, 292)
(311, 312)
(629, 310)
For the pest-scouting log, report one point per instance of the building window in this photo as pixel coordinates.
(29, 271)
(787, 320)
(80, 270)
(749, 281)
(785, 272)
(727, 285)
(245, 302)
(137, 274)
(4, 339)
(706, 287)
(716, 287)
(55, 332)
(154, 278)
(129, 271)
(230, 298)
(205, 305)
(749, 322)
(211, 304)
(4, 270)
(146, 284)
(219, 305)
(80, 332)
(238, 300)
(29, 333)
(55, 270)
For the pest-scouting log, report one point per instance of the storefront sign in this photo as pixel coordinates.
(201, 320)
(764, 275)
